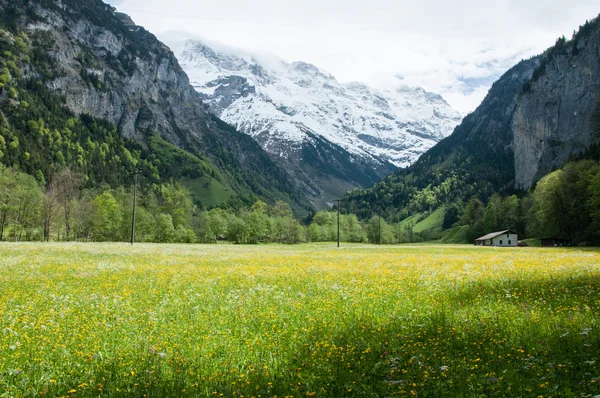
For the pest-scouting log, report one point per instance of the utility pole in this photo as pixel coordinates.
(338, 206)
(135, 180)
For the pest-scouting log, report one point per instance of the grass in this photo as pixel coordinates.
(109, 320)
(433, 222)
(410, 221)
(456, 235)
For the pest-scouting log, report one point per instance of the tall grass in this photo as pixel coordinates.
(108, 320)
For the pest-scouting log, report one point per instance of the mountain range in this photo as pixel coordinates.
(83, 86)
(330, 136)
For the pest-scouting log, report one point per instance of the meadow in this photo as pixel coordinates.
(109, 320)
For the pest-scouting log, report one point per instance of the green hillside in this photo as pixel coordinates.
(175, 139)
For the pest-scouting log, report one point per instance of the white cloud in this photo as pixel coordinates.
(454, 48)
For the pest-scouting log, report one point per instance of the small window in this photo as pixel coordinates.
(500, 242)
(510, 242)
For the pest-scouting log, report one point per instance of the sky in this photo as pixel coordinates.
(454, 48)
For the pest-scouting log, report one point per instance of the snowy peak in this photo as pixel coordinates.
(259, 93)
(274, 100)
(288, 107)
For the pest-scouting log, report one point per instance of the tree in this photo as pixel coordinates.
(237, 230)
(282, 209)
(165, 231)
(217, 223)
(490, 219)
(107, 217)
(145, 225)
(83, 219)
(20, 204)
(50, 208)
(452, 215)
(351, 229)
(201, 226)
(594, 204)
(473, 217)
(5, 188)
(256, 225)
(66, 185)
(510, 215)
(373, 231)
(259, 206)
(184, 235)
(552, 205)
(323, 227)
(177, 202)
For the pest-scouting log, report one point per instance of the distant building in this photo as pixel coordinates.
(555, 242)
(506, 238)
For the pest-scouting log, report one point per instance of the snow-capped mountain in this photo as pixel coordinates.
(302, 114)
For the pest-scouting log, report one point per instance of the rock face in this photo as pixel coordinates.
(540, 113)
(110, 68)
(551, 121)
(332, 137)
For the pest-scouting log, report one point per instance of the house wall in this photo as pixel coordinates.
(503, 240)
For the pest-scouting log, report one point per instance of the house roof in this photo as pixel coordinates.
(494, 234)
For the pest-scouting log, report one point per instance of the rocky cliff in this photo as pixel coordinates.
(539, 114)
(108, 67)
(551, 120)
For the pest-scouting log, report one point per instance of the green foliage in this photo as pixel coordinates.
(323, 227)
(165, 231)
(452, 215)
(176, 201)
(378, 231)
(490, 219)
(473, 217)
(256, 225)
(20, 205)
(106, 219)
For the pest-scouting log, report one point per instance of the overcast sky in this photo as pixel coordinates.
(455, 48)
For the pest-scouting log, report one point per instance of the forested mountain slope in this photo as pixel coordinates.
(534, 118)
(84, 87)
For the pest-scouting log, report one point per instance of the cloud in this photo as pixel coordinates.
(454, 48)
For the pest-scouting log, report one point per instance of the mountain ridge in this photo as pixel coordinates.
(284, 105)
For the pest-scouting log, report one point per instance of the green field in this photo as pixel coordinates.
(108, 320)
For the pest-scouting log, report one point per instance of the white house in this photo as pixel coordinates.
(506, 238)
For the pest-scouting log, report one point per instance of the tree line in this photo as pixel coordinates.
(65, 209)
(563, 204)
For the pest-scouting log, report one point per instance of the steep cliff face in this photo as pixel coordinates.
(108, 67)
(551, 121)
(539, 114)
